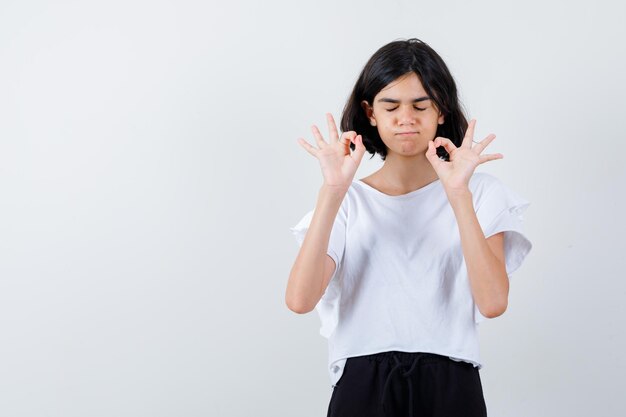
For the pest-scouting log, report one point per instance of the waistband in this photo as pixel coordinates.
(407, 357)
(404, 365)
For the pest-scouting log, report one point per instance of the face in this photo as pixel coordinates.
(405, 116)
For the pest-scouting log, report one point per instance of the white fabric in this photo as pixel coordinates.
(401, 281)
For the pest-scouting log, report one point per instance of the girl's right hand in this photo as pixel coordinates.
(338, 165)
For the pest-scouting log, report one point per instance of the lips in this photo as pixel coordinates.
(406, 133)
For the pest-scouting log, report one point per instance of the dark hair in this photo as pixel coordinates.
(389, 63)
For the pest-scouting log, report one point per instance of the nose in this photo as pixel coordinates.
(406, 116)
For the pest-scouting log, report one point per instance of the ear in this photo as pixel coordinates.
(441, 119)
(369, 112)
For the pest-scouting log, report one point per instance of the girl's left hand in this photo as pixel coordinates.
(456, 173)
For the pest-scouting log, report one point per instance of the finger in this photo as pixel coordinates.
(469, 134)
(308, 147)
(447, 144)
(489, 157)
(359, 149)
(480, 146)
(332, 128)
(431, 153)
(318, 137)
(347, 137)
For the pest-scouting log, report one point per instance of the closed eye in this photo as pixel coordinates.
(416, 108)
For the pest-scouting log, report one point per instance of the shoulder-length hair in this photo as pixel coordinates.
(389, 63)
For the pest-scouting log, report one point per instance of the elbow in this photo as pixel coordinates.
(297, 303)
(298, 308)
(495, 311)
(297, 300)
(498, 304)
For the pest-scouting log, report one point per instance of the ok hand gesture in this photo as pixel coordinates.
(455, 174)
(338, 164)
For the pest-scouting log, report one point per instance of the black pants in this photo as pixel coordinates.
(402, 384)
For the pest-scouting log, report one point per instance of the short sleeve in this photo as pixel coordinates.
(328, 306)
(500, 209)
(337, 239)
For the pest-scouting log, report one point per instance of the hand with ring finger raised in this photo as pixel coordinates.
(456, 173)
(336, 160)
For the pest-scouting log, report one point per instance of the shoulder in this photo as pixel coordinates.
(358, 187)
(487, 189)
(482, 183)
(489, 192)
(483, 179)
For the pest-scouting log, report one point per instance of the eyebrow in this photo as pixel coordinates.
(391, 100)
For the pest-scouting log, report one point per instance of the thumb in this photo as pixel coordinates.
(359, 149)
(431, 154)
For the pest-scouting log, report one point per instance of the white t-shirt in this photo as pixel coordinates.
(401, 282)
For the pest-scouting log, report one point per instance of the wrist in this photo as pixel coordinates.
(334, 189)
(459, 195)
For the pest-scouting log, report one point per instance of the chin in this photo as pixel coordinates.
(409, 152)
(410, 148)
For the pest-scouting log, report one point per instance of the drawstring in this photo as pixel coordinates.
(406, 375)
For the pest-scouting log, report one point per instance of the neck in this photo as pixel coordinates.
(407, 173)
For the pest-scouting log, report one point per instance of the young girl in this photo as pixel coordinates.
(403, 264)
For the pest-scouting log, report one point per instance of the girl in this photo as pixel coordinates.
(402, 265)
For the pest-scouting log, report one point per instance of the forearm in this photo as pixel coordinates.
(487, 274)
(304, 288)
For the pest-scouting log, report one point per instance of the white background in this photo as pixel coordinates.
(149, 174)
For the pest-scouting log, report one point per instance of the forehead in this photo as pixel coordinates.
(408, 85)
